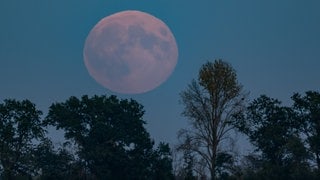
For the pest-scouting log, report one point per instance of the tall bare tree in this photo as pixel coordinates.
(210, 103)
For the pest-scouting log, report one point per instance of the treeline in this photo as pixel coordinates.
(105, 139)
(286, 139)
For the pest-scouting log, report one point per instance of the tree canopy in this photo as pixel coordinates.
(307, 108)
(209, 104)
(110, 137)
(20, 125)
(273, 130)
(106, 138)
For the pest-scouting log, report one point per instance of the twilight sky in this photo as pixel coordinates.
(273, 45)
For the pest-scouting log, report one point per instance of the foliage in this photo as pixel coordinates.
(107, 139)
(307, 108)
(187, 168)
(162, 162)
(210, 104)
(273, 130)
(110, 137)
(53, 164)
(20, 125)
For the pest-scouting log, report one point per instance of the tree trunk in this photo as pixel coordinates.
(213, 161)
(212, 170)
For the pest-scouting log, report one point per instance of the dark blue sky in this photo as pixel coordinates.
(273, 45)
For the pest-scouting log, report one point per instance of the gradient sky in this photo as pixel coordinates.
(273, 45)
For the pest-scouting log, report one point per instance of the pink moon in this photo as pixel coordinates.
(130, 52)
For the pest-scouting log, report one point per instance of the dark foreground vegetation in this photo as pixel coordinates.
(285, 140)
(105, 137)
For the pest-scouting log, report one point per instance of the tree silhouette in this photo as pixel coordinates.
(210, 104)
(307, 108)
(110, 138)
(273, 130)
(53, 164)
(20, 125)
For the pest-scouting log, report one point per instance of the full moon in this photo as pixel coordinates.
(130, 52)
